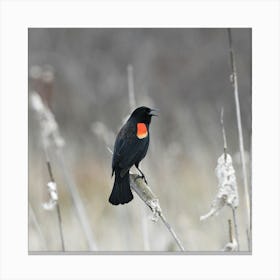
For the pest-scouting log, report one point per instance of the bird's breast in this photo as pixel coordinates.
(142, 131)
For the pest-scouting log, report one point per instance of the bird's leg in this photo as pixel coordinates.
(143, 176)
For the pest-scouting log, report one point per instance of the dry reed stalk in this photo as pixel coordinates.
(51, 138)
(232, 244)
(43, 82)
(146, 194)
(227, 186)
(48, 131)
(234, 82)
(225, 153)
(54, 200)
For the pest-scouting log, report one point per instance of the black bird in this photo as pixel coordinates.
(130, 148)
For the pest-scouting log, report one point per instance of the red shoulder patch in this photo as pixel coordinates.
(142, 130)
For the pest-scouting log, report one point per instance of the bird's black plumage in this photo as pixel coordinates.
(130, 148)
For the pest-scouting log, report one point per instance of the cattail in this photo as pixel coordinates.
(51, 138)
(227, 187)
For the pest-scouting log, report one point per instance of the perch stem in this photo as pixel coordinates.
(146, 194)
(170, 229)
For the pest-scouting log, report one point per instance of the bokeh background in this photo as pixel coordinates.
(82, 75)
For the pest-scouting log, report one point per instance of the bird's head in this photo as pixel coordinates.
(143, 114)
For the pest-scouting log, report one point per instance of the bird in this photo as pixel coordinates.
(131, 146)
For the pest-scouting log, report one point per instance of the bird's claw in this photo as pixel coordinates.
(143, 178)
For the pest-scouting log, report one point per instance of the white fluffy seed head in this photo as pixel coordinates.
(53, 196)
(36, 102)
(227, 186)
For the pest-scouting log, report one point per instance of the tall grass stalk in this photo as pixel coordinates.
(227, 185)
(57, 202)
(232, 244)
(225, 153)
(234, 81)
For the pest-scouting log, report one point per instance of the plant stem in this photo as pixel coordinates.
(233, 209)
(235, 228)
(57, 203)
(146, 194)
(177, 240)
(230, 231)
(240, 133)
(60, 226)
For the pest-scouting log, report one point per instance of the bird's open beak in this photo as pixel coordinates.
(154, 112)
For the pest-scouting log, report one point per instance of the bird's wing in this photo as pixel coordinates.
(128, 148)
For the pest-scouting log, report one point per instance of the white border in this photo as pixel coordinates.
(17, 16)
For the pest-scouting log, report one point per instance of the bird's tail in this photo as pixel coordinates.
(121, 192)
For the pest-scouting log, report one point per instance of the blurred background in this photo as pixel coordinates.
(82, 74)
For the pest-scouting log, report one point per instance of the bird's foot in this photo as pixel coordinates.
(143, 178)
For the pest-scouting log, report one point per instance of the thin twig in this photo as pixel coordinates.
(230, 231)
(57, 202)
(240, 133)
(224, 133)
